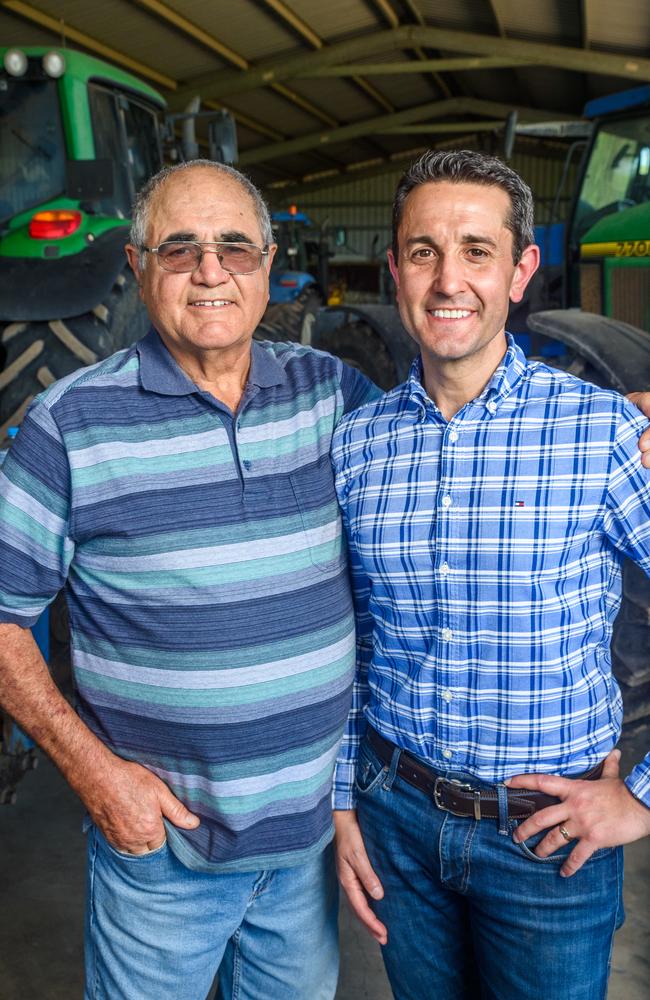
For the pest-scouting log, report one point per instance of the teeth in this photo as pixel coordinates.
(214, 303)
(451, 313)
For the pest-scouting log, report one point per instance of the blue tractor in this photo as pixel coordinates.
(298, 284)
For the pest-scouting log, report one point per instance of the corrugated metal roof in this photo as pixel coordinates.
(161, 35)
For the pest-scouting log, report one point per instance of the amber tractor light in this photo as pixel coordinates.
(55, 224)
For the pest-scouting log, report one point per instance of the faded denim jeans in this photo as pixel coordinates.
(155, 930)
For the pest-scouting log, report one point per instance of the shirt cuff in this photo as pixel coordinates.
(344, 794)
(638, 781)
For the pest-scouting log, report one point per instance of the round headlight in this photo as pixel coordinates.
(15, 62)
(54, 64)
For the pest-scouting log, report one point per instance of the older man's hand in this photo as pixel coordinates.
(128, 805)
(593, 814)
(642, 401)
(356, 875)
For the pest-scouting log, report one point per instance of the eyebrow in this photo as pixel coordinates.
(466, 238)
(180, 238)
(232, 236)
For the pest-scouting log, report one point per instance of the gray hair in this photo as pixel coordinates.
(144, 198)
(464, 166)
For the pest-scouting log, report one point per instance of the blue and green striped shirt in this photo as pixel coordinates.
(204, 569)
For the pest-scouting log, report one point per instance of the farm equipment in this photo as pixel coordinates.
(78, 138)
(298, 281)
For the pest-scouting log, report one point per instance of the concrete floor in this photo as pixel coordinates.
(41, 911)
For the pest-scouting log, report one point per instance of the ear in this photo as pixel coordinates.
(271, 254)
(524, 270)
(133, 256)
(392, 264)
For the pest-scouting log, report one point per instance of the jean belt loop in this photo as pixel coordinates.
(502, 798)
(392, 770)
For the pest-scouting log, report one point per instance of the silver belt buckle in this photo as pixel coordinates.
(465, 788)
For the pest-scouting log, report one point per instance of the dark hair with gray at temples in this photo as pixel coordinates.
(464, 166)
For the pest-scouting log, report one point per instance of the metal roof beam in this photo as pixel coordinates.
(60, 28)
(373, 126)
(187, 27)
(387, 12)
(309, 35)
(198, 34)
(439, 128)
(415, 36)
(453, 65)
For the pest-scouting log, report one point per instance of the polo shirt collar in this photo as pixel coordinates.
(159, 372)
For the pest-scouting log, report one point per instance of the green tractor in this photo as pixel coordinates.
(604, 329)
(78, 138)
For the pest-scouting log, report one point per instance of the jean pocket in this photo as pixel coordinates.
(370, 771)
(157, 852)
(527, 848)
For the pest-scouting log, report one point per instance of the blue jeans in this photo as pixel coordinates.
(157, 931)
(472, 914)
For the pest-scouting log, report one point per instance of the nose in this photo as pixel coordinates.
(210, 270)
(449, 275)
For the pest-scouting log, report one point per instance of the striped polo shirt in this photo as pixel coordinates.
(203, 563)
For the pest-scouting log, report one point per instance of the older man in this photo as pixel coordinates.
(489, 502)
(182, 493)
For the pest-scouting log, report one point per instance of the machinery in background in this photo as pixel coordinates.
(78, 139)
(298, 284)
(588, 312)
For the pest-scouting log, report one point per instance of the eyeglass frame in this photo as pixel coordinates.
(264, 252)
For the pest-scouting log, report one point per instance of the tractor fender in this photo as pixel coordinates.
(617, 351)
(33, 289)
(382, 320)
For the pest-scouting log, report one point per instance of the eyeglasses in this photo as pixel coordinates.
(184, 256)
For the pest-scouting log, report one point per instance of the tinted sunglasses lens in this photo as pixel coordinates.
(179, 256)
(239, 258)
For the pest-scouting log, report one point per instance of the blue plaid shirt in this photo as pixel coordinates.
(486, 562)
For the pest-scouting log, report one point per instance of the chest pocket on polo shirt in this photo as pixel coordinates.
(313, 490)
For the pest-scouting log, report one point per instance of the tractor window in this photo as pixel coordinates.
(142, 142)
(32, 148)
(109, 144)
(617, 174)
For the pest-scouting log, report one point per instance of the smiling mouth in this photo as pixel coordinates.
(211, 303)
(450, 313)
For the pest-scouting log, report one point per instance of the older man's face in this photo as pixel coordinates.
(208, 310)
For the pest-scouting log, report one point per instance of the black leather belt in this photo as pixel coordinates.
(461, 799)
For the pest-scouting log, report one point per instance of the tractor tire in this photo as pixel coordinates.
(359, 346)
(38, 353)
(631, 636)
(291, 321)
(16, 758)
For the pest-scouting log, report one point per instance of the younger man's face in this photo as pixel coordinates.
(454, 273)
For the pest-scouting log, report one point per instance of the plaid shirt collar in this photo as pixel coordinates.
(504, 380)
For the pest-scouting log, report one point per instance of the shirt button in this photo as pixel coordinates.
(446, 501)
(447, 696)
(447, 634)
(491, 406)
(444, 569)
(447, 754)
(453, 436)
